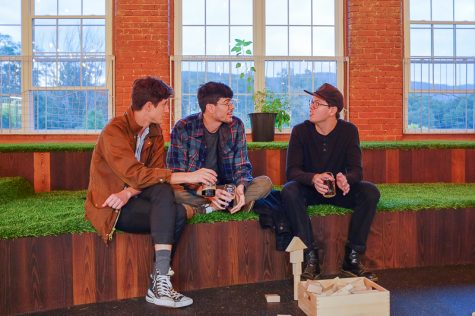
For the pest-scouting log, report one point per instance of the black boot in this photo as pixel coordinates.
(311, 270)
(352, 266)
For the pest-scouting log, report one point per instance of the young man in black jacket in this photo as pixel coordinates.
(325, 150)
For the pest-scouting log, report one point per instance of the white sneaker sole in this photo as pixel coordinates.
(167, 303)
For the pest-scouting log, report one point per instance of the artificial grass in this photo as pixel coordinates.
(14, 188)
(63, 211)
(403, 145)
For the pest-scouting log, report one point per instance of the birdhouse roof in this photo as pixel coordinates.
(296, 244)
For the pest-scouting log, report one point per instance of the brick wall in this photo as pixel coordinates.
(375, 49)
(141, 46)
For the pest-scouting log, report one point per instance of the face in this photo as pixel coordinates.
(223, 110)
(156, 114)
(320, 111)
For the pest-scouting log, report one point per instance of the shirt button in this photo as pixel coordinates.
(161, 180)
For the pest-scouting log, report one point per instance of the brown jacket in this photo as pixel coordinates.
(114, 166)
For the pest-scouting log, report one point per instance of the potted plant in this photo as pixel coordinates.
(270, 110)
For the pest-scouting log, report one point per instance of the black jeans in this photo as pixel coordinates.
(362, 199)
(154, 211)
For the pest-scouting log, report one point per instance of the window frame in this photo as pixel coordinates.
(407, 71)
(259, 57)
(27, 56)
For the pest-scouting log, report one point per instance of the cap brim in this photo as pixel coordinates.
(311, 93)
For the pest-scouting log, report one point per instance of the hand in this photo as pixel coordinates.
(203, 175)
(318, 182)
(240, 199)
(221, 199)
(342, 183)
(117, 200)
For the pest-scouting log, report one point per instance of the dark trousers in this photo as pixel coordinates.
(154, 211)
(362, 199)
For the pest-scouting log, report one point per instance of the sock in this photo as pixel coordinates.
(162, 261)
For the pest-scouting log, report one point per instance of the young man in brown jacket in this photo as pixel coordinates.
(130, 189)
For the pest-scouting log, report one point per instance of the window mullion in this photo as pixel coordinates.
(259, 23)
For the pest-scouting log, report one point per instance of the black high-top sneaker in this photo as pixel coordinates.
(161, 292)
(352, 266)
(311, 270)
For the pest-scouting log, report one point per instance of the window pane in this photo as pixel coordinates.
(10, 12)
(241, 12)
(276, 12)
(464, 75)
(10, 40)
(444, 75)
(68, 7)
(217, 12)
(70, 110)
(93, 7)
(193, 75)
(10, 77)
(300, 43)
(421, 74)
(300, 12)
(465, 43)
(324, 12)
(443, 40)
(94, 39)
(45, 73)
(68, 38)
(289, 78)
(10, 112)
(69, 73)
(93, 73)
(324, 41)
(276, 40)
(46, 7)
(420, 10)
(193, 40)
(44, 38)
(242, 33)
(217, 40)
(442, 10)
(193, 12)
(464, 10)
(431, 111)
(420, 41)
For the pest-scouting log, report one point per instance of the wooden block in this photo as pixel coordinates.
(296, 256)
(273, 298)
(296, 287)
(315, 288)
(296, 244)
(296, 268)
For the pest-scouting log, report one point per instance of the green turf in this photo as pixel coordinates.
(60, 212)
(14, 188)
(404, 145)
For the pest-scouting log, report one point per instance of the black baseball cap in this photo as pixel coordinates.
(330, 94)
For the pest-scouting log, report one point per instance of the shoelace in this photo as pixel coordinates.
(162, 286)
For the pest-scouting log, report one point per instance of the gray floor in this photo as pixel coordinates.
(423, 291)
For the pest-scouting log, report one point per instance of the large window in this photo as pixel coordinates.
(440, 73)
(56, 66)
(296, 45)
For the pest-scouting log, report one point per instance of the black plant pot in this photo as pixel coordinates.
(262, 126)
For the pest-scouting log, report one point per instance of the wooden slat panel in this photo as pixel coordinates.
(374, 166)
(458, 165)
(431, 166)
(106, 265)
(258, 162)
(70, 170)
(405, 166)
(84, 268)
(392, 166)
(273, 170)
(376, 252)
(7, 277)
(406, 245)
(470, 165)
(42, 176)
(17, 165)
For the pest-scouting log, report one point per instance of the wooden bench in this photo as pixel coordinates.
(44, 273)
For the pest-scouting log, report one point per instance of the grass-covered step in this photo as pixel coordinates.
(403, 145)
(25, 214)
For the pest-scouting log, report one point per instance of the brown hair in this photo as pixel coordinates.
(149, 89)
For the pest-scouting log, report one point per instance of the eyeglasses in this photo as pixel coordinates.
(315, 104)
(229, 102)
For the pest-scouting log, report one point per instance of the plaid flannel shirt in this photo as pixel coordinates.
(187, 152)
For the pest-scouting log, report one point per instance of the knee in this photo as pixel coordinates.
(370, 192)
(264, 183)
(291, 190)
(162, 190)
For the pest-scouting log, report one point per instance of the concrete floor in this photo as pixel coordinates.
(431, 291)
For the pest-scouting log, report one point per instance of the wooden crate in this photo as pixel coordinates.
(374, 303)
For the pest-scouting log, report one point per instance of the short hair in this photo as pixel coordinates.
(149, 89)
(211, 92)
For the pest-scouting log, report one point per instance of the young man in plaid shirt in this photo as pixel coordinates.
(215, 139)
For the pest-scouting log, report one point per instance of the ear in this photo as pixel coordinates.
(333, 110)
(210, 108)
(148, 106)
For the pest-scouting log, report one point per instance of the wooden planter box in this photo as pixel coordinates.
(368, 304)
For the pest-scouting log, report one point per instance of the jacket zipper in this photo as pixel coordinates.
(109, 236)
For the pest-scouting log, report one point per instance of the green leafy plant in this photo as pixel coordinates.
(241, 48)
(267, 102)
